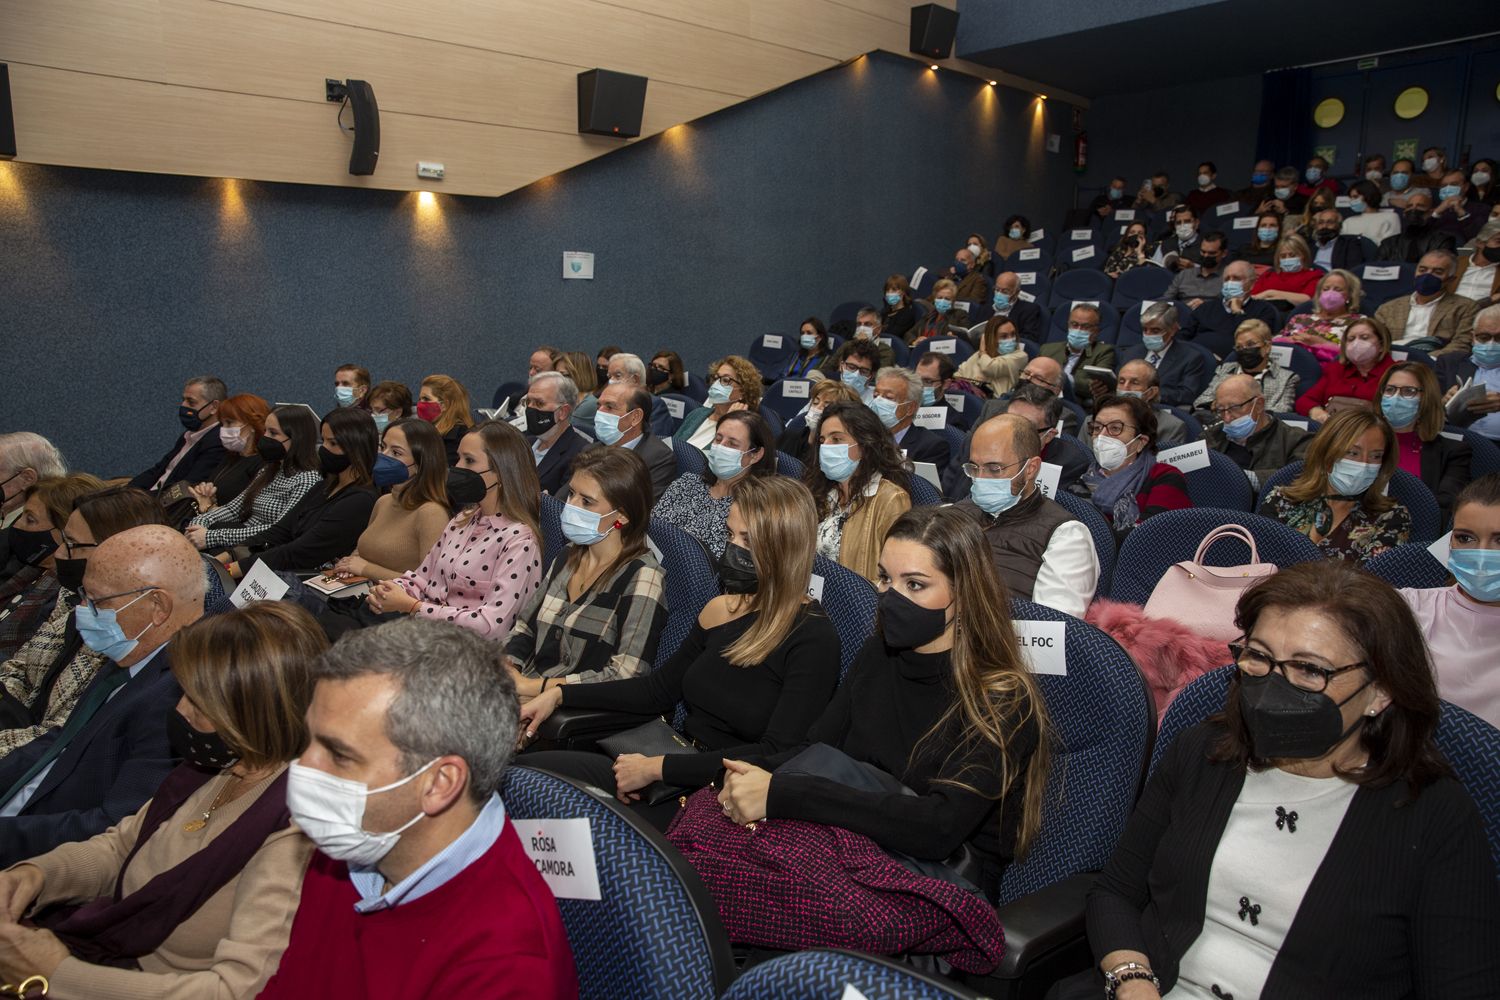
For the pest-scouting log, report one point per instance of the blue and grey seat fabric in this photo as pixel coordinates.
(690, 582)
(850, 602)
(825, 975)
(1409, 565)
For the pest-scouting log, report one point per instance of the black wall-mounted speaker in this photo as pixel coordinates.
(932, 30)
(610, 103)
(7, 116)
(366, 127)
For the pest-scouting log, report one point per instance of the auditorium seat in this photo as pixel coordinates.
(1304, 364)
(1406, 489)
(924, 494)
(678, 406)
(1140, 284)
(1485, 454)
(847, 312)
(786, 397)
(770, 353)
(1399, 353)
(689, 459)
(1109, 320)
(1409, 565)
(1383, 281)
(506, 391)
(1081, 284)
(899, 351)
(1190, 423)
(691, 581)
(1223, 484)
(696, 389)
(830, 974)
(851, 603)
(553, 540)
(788, 466)
(960, 349)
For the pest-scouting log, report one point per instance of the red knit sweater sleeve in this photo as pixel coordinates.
(1166, 489)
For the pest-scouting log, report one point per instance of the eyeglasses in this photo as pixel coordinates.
(856, 370)
(728, 380)
(1404, 391)
(93, 602)
(1485, 338)
(989, 470)
(1114, 428)
(1035, 379)
(1223, 412)
(1304, 675)
(73, 547)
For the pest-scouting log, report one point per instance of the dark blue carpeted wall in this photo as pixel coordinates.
(116, 286)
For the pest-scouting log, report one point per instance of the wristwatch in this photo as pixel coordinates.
(1121, 974)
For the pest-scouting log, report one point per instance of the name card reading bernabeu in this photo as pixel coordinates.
(1228, 208)
(260, 584)
(772, 340)
(1282, 354)
(1186, 457)
(676, 407)
(955, 400)
(932, 418)
(1082, 234)
(945, 346)
(815, 587)
(1033, 253)
(1047, 478)
(795, 388)
(1083, 253)
(1125, 214)
(1245, 222)
(563, 852)
(1373, 272)
(1044, 644)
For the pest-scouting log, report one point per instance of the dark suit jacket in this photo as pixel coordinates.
(1182, 373)
(1410, 246)
(1445, 470)
(661, 460)
(112, 766)
(1348, 252)
(1213, 325)
(197, 466)
(556, 465)
(1099, 354)
(923, 445)
(1028, 319)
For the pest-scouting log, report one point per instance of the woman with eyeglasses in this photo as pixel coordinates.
(698, 502)
(1411, 400)
(1309, 840)
(1125, 481)
(733, 384)
(665, 373)
(1339, 500)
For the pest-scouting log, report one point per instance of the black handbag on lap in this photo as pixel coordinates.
(654, 739)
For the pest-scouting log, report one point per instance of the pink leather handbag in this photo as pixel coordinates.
(1202, 597)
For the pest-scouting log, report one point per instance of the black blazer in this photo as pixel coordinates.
(1445, 470)
(1213, 326)
(923, 445)
(1404, 904)
(1181, 375)
(197, 466)
(108, 770)
(1348, 252)
(661, 461)
(319, 529)
(556, 465)
(451, 441)
(1028, 319)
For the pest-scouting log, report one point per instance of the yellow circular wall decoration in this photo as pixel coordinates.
(1328, 113)
(1411, 102)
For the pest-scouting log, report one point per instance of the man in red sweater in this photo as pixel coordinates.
(420, 887)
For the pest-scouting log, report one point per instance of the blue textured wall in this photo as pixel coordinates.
(114, 287)
(993, 24)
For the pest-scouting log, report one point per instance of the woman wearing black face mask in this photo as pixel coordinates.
(289, 450)
(1252, 356)
(756, 671)
(1309, 841)
(28, 597)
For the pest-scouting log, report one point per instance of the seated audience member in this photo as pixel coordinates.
(1208, 193)
(998, 360)
(551, 402)
(1370, 220)
(1252, 356)
(1125, 481)
(1355, 375)
(937, 374)
(1431, 317)
(1215, 320)
(1179, 250)
(1375, 172)
(1046, 376)
(1130, 252)
(242, 423)
(628, 370)
(599, 610)
(1331, 249)
(28, 597)
(1434, 164)
(939, 322)
(698, 502)
(408, 521)
(193, 894)
(1289, 199)
(1412, 403)
(578, 367)
(1082, 350)
(1420, 236)
(1315, 179)
(1482, 366)
(1400, 187)
(289, 450)
(623, 420)
(24, 458)
(197, 453)
(1157, 194)
(799, 438)
(1008, 304)
(666, 373)
(327, 522)
(1249, 433)
(602, 376)
(488, 561)
(601, 366)
(1139, 379)
(1261, 188)
(755, 673)
(1199, 284)
(983, 259)
(1294, 278)
(1461, 623)
(543, 359)
(864, 343)
(41, 682)
(1260, 252)
(1457, 212)
(898, 395)
(1306, 226)
(973, 768)
(1482, 176)
(973, 284)
(1327, 730)
(734, 384)
(444, 403)
(897, 315)
(351, 386)
(1042, 552)
(860, 485)
(1339, 501)
(390, 402)
(1478, 276)
(1336, 304)
(412, 719)
(1181, 372)
(1015, 237)
(109, 756)
(1114, 196)
(812, 349)
(1044, 411)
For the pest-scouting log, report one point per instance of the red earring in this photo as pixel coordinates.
(618, 525)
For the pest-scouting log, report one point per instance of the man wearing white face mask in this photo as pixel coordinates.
(411, 728)
(1042, 552)
(1179, 251)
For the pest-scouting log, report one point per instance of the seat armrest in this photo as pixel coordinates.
(1042, 922)
(581, 728)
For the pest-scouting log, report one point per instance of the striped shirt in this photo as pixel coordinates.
(273, 503)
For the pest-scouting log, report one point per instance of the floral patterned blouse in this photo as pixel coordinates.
(1328, 328)
(1361, 535)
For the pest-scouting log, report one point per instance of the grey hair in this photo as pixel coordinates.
(26, 450)
(1447, 255)
(1164, 313)
(1051, 405)
(1154, 378)
(633, 365)
(454, 695)
(1489, 315)
(1241, 265)
(912, 379)
(567, 390)
(1287, 173)
(1087, 307)
(213, 387)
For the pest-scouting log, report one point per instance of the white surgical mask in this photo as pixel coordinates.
(1111, 453)
(331, 811)
(864, 332)
(976, 249)
(1430, 164)
(1184, 230)
(1204, 180)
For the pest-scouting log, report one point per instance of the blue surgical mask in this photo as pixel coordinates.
(1477, 572)
(1078, 339)
(1007, 345)
(1357, 206)
(719, 393)
(389, 471)
(1016, 232)
(725, 462)
(1002, 302)
(100, 630)
(1350, 478)
(886, 410)
(835, 462)
(808, 341)
(1232, 289)
(942, 305)
(993, 496)
(893, 299)
(1284, 192)
(607, 427)
(929, 395)
(581, 527)
(1399, 180)
(1241, 428)
(344, 394)
(1154, 342)
(1448, 191)
(1486, 355)
(1115, 194)
(1291, 264)
(382, 421)
(1267, 235)
(1259, 177)
(1398, 410)
(1313, 174)
(855, 381)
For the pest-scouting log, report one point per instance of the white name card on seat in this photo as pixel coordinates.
(1399, 355)
(1026, 297)
(1083, 253)
(1373, 272)
(1452, 435)
(1228, 208)
(1047, 478)
(945, 346)
(795, 388)
(1031, 254)
(772, 340)
(1301, 425)
(675, 407)
(1082, 234)
(519, 420)
(917, 276)
(815, 587)
(1186, 457)
(1026, 277)
(884, 340)
(1044, 644)
(850, 993)
(955, 400)
(1125, 214)
(1282, 354)
(1341, 201)
(489, 414)
(1245, 222)
(1085, 302)
(964, 305)
(932, 418)
(260, 584)
(1036, 234)
(929, 472)
(1145, 304)
(655, 552)
(1441, 548)
(563, 852)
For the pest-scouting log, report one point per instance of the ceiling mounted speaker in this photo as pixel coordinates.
(611, 103)
(932, 30)
(7, 116)
(366, 127)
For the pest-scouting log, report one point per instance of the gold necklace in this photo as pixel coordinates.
(193, 826)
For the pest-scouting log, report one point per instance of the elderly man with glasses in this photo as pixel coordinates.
(1248, 433)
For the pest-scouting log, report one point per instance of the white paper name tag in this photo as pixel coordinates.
(519, 420)
(1047, 478)
(1145, 304)
(1036, 234)
(1441, 548)
(1082, 234)
(795, 389)
(850, 993)
(955, 400)
(933, 418)
(1026, 297)
(1282, 354)
(963, 305)
(1032, 254)
(1228, 208)
(655, 552)
(1026, 277)
(1301, 425)
(884, 340)
(929, 472)
(1083, 253)
(1248, 222)
(675, 407)
(1186, 457)
(1044, 644)
(1085, 302)
(260, 584)
(772, 340)
(1341, 201)
(563, 852)
(917, 276)
(940, 347)
(1125, 214)
(1399, 355)
(815, 587)
(1452, 435)
(1373, 273)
